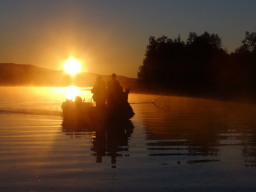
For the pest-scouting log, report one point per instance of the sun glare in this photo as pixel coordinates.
(72, 92)
(72, 66)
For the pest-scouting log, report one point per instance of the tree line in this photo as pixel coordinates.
(199, 65)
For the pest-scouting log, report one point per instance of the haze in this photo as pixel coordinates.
(111, 36)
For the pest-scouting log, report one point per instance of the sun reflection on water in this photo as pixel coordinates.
(71, 92)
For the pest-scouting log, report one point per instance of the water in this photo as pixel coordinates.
(175, 144)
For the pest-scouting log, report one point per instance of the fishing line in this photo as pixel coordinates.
(161, 102)
(147, 102)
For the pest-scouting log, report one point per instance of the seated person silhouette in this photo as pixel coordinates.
(99, 92)
(114, 92)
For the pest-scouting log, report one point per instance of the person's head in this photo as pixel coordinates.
(113, 76)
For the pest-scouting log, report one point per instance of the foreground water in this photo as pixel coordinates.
(175, 144)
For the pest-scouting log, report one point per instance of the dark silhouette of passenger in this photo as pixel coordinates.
(114, 92)
(99, 92)
(117, 99)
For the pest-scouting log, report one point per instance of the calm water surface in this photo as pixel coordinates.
(176, 144)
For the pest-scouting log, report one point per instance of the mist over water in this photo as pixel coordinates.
(175, 144)
(39, 100)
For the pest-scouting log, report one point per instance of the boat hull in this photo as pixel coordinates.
(86, 113)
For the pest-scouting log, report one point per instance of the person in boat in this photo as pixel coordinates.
(117, 99)
(114, 92)
(99, 92)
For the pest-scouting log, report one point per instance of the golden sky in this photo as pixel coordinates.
(111, 36)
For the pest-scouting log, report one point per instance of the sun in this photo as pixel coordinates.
(72, 66)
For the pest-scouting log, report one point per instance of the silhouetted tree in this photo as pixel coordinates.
(162, 62)
(203, 50)
(200, 65)
(249, 43)
(244, 59)
(177, 65)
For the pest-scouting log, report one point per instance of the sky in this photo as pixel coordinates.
(112, 35)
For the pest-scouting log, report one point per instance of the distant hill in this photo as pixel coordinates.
(29, 75)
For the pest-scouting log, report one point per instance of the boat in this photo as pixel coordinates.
(81, 112)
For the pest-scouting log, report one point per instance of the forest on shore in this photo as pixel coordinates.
(199, 65)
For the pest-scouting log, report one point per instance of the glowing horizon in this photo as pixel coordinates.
(112, 36)
(71, 92)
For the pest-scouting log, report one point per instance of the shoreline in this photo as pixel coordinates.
(242, 96)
